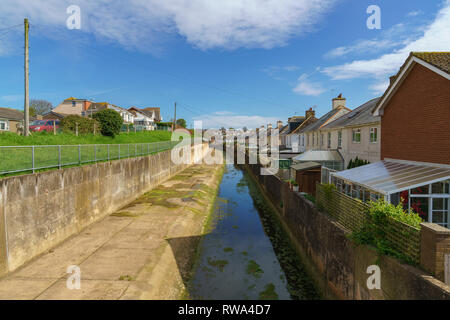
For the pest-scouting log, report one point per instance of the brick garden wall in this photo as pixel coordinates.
(336, 263)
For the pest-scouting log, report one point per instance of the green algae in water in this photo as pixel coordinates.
(228, 249)
(254, 269)
(219, 264)
(269, 293)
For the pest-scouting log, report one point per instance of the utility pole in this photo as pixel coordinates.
(174, 126)
(26, 130)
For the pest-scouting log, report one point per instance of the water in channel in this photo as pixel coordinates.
(246, 254)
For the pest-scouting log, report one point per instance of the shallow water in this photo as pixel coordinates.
(247, 255)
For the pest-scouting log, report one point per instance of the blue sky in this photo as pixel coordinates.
(228, 63)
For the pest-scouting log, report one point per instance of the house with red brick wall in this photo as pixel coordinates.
(415, 147)
(415, 110)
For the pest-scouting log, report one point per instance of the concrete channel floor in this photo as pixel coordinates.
(143, 251)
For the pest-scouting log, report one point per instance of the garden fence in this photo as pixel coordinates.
(14, 159)
(351, 214)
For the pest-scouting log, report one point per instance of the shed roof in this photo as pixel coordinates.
(305, 165)
(391, 176)
(319, 155)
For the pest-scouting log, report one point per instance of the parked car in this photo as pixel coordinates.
(43, 125)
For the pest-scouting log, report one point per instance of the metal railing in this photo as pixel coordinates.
(14, 159)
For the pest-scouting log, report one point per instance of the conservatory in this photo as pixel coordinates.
(422, 187)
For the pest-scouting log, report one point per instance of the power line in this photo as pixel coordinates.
(11, 27)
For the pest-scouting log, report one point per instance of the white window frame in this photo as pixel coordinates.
(373, 131)
(339, 139)
(354, 132)
(6, 125)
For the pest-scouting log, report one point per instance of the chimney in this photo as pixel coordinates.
(310, 113)
(339, 101)
(392, 79)
(279, 124)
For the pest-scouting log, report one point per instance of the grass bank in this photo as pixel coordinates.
(45, 138)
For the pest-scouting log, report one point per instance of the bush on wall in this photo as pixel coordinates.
(110, 122)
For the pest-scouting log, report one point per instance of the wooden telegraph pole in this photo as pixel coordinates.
(26, 130)
(174, 125)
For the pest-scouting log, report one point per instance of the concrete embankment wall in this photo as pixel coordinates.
(38, 211)
(338, 265)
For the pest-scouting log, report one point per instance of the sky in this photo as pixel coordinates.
(231, 63)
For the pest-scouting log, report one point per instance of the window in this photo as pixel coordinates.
(340, 139)
(373, 135)
(313, 139)
(73, 104)
(329, 140)
(3, 125)
(307, 139)
(321, 139)
(356, 135)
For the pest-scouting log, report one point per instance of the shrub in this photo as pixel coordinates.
(85, 125)
(379, 224)
(110, 122)
(357, 163)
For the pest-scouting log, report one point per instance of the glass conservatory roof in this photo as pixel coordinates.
(391, 176)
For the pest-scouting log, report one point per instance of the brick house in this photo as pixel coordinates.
(72, 106)
(415, 110)
(415, 148)
(10, 119)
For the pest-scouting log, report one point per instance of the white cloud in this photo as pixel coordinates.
(144, 24)
(436, 37)
(227, 119)
(394, 37)
(308, 88)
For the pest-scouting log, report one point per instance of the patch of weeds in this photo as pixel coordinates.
(126, 278)
(254, 269)
(228, 249)
(253, 286)
(245, 253)
(269, 293)
(235, 227)
(124, 214)
(219, 264)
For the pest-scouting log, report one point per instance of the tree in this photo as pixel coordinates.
(40, 106)
(110, 122)
(181, 122)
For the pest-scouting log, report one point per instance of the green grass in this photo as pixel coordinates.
(75, 150)
(44, 138)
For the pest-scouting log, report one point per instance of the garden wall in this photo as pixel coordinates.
(338, 265)
(38, 211)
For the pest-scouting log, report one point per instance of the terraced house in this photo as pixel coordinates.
(415, 150)
(312, 138)
(356, 134)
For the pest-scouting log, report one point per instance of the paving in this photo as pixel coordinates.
(143, 251)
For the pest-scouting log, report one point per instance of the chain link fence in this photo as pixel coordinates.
(14, 159)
